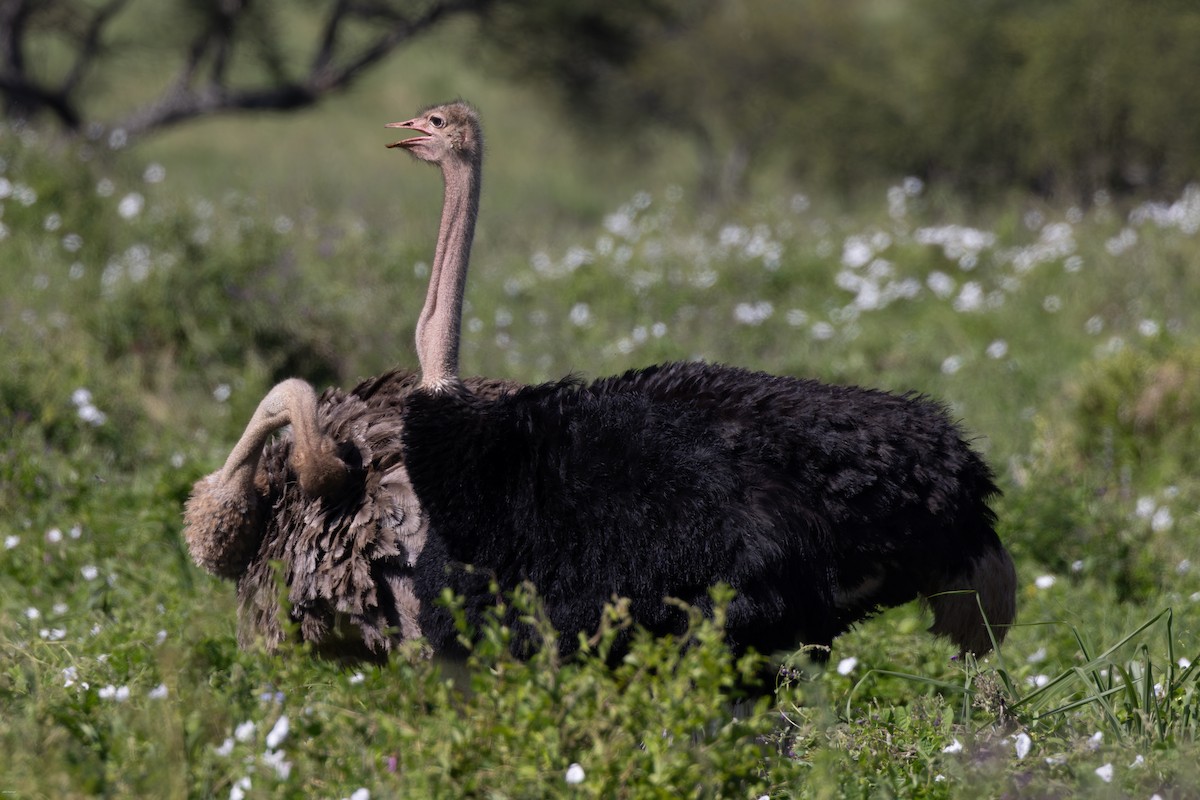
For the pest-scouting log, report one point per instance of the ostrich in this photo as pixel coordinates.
(332, 502)
(818, 504)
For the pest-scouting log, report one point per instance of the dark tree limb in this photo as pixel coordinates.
(230, 58)
(205, 82)
(330, 70)
(91, 45)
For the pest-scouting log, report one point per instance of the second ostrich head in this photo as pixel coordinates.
(450, 136)
(223, 518)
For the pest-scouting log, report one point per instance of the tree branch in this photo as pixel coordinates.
(24, 98)
(327, 73)
(90, 46)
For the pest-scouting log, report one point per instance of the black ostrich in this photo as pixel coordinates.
(817, 504)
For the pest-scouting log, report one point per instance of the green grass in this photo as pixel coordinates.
(1070, 351)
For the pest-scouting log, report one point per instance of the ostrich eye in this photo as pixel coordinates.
(437, 122)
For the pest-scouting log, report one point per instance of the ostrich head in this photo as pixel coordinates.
(449, 133)
(223, 518)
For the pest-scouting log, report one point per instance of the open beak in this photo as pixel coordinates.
(412, 126)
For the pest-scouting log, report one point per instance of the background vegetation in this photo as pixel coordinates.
(1021, 243)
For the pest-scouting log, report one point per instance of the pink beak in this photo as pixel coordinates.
(410, 125)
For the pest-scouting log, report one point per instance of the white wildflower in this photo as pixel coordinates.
(997, 349)
(131, 205)
(276, 760)
(1105, 773)
(856, 252)
(823, 331)
(1138, 761)
(1162, 520)
(580, 314)
(111, 692)
(360, 794)
(11, 541)
(1037, 656)
(954, 747)
(32, 613)
(92, 415)
(970, 298)
(753, 313)
(1184, 663)
(575, 775)
(1045, 581)
(278, 732)
(238, 792)
(222, 392)
(951, 365)
(54, 536)
(357, 678)
(940, 284)
(1145, 507)
(1023, 744)
(89, 572)
(245, 731)
(847, 665)
(1148, 328)
(158, 692)
(1118, 244)
(226, 747)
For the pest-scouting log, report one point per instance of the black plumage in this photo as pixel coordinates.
(816, 503)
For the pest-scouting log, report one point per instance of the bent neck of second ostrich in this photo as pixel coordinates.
(440, 324)
(291, 402)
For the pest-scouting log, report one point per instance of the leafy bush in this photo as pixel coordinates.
(1114, 473)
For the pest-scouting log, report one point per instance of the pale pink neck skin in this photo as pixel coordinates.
(440, 325)
(291, 402)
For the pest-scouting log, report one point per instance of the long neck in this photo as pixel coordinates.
(440, 324)
(292, 401)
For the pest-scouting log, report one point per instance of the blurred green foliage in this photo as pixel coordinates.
(1062, 97)
(1065, 97)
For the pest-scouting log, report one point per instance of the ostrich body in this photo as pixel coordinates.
(818, 504)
